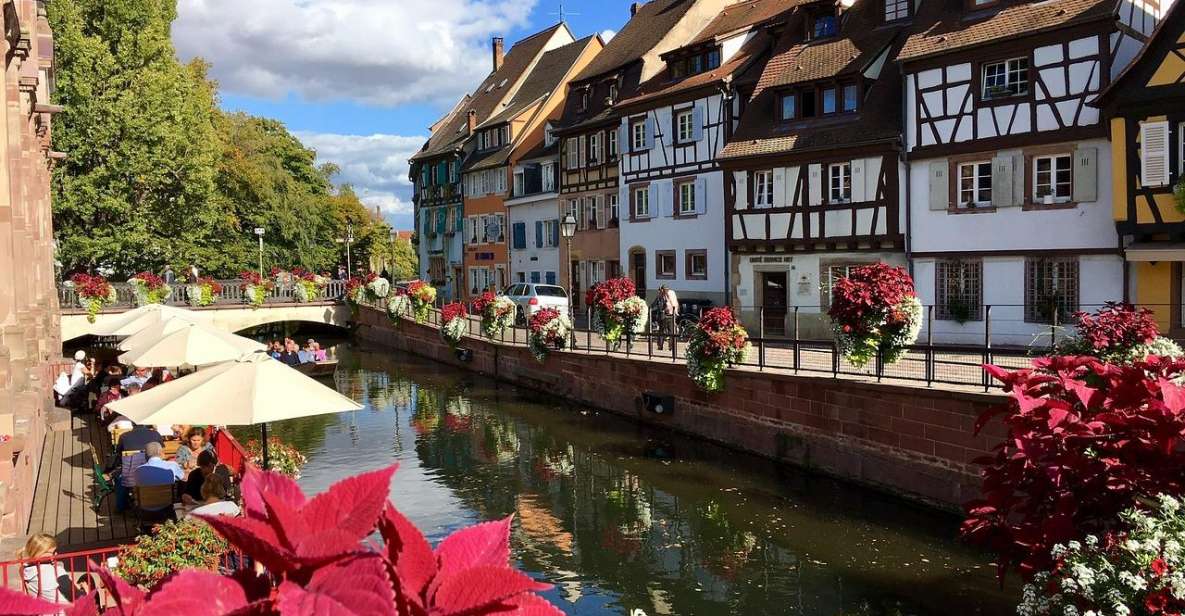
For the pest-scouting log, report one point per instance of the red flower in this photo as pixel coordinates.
(89, 287)
(482, 302)
(455, 310)
(870, 290)
(1159, 567)
(1117, 325)
(1156, 602)
(605, 295)
(150, 280)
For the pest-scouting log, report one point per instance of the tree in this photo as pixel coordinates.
(406, 261)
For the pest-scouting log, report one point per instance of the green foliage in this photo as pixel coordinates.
(171, 547)
(158, 175)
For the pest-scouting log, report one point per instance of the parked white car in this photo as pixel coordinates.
(530, 298)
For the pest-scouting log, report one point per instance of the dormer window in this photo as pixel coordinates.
(613, 91)
(788, 107)
(694, 64)
(823, 25)
(584, 96)
(826, 98)
(1006, 78)
(896, 9)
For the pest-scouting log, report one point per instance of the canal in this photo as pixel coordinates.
(620, 518)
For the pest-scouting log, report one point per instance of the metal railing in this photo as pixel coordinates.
(805, 344)
(231, 293)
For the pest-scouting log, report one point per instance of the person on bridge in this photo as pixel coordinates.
(169, 276)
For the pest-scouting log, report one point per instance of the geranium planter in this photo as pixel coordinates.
(617, 310)
(1118, 333)
(875, 311)
(549, 329)
(454, 322)
(717, 343)
(148, 288)
(422, 296)
(370, 288)
(497, 313)
(94, 293)
(255, 288)
(204, 293)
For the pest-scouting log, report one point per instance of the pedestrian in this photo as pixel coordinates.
(191, 274)
(664, 310)
(341, 272)
(169, 276)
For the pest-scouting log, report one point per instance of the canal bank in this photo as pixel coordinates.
(914, 442)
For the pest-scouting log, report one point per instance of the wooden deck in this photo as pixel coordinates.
(65, 487)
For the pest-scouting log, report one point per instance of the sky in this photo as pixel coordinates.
(360, 81)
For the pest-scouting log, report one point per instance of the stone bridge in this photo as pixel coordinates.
(229, 317)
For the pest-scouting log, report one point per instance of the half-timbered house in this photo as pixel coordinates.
(513, 129)
(671, 132)
(536, 252)
(1009, 189)
(812, 174)
(589, 132)
(1146, 110)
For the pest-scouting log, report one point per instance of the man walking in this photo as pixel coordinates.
(666, 307)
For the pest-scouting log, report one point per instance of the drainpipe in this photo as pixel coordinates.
(908, 188)
(727, 95)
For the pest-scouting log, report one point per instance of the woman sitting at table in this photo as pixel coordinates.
(214, 496)
(207, 463)
(192, 444)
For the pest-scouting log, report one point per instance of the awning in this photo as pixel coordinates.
(1156, 251)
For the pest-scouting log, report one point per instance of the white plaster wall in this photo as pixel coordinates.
(1100, 281)
(1089, 225)
(532, 258)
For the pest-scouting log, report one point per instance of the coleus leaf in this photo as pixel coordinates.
(524, 605)
(256, 483)
(470, 590)
(196, 593)
(256, 539)
(128, 598)
(352, 505)
(20, 604)
(482, 544)
(408, 553)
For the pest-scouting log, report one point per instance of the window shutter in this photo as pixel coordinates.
(650, 133)
(468, 231)
(601, 218)
(816, 184)
(779, 174)
(550, 277)
(520, 231)
(583, 147)
(740, 181)
(555, 233)
(701, 196)
(939, 185)
(1086, 175)
(623, 138)
(1002, 187)
(538, 234)
(653, 199)
(666, 198)
(1154, 153)
(697, 121)
(859, 194)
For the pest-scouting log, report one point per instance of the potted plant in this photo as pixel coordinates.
(94, 293)
(255, 288)
(203, 293)
(617, 310)
(549, 329)
(874, 309)
(422, 296)
(281, 457)
(169, 548)
(149, 289)
(1118, 333)
(718, 342)
(454, 321)
(307, 286)
(497, 313)
(960, 310)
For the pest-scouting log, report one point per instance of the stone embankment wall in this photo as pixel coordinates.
(913, 441)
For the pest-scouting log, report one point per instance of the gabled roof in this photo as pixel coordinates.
(639, 35)
(1131, 84)
(743, 16)
(547, 76)
(946, 25)
(492, 91)
(859, 45)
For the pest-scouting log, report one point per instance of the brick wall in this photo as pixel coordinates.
(912, 441)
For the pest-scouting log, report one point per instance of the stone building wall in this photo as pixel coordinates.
(912, 441)
(29, 338)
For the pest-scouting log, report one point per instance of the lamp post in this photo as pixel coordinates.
(259, 234)
(568, 229)
(348, 240)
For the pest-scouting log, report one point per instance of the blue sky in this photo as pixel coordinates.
(361, 80)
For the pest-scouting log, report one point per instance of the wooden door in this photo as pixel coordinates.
(638, 272)
(773, 300)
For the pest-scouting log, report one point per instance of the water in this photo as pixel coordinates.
(620, 518)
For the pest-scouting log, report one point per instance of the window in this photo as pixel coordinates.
(684, 125)
(638, 136)
(613, 213)
(594, 148)
(590, 213)
(1007, 78)
(572, 149)
(713, 59)
(584, 99)
(788, 106)
(641, 198)
(612, 139)
(547, 170)
(896, 9)
(613, 91)
(695, 65)
(551, 233)
(850, 97)
(520, 184)
(975, 184)
(536, 277)
(807, 106)
(686, 194)
(697, 265)
(828, 100)
(1052, 178)
(573, 210)
(840, 180)
(958, 290)
(678, 68)
(664, 264)
(823, 26)
(1051, 289)
(763, 189)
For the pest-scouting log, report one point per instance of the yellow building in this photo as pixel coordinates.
(1146, 109)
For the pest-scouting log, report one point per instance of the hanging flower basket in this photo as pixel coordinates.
(617, 310)
(717, 343)
(281, 457)
(422, 295)
(306, 286)
(149, 288)
(255, 288)
(455, 320)
(875, 309)
(370, 288)
(549, 329)
(399, 306)
(1118, 333)
(497, 313)
(94, 293)
(204, 293)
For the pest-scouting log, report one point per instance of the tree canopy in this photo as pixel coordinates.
(157, 174)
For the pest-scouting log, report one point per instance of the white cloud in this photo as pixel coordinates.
(380, 52)
(607, 35)
(375, 165)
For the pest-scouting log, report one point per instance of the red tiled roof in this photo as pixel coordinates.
(639, 35)
(743, 15)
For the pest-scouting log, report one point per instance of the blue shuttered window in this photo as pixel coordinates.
(441, 220)
(550, 277)
(520, 235)
(555, 233)
(538, 234)
(535, 277)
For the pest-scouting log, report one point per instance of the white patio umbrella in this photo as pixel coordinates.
(254, 389)
(137, 319)
(155, 332)
(189, 345)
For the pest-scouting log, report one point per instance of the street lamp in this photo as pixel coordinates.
(259, 234)
(347, 240)
(568, 229)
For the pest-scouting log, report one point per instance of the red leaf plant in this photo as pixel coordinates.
(253, 279)
(151, 281)
(605, 295)
(215, 286)
(317, 564)
(1085, 441)
(483, 301)
(89, 287)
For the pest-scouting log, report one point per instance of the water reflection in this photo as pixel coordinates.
(620, 518)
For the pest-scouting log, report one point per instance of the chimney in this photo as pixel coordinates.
(472, 121)
(634, 8)
(497, 52)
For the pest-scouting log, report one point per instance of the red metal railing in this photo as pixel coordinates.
(230, 452)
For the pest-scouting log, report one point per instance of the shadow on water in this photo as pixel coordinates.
(618, 516)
